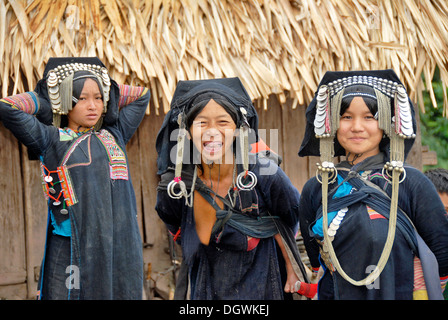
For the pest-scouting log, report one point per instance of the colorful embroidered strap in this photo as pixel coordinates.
(28, 102)
(67, 186)
(117, 158)
(129, 94)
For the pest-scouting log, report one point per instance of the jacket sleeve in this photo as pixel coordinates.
(170, 211)
(18, 115)
(280, 195)
(309, 202)
(133, 102)
(427, 212)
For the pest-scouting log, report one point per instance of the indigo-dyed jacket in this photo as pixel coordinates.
(91, 173)
(235, 265)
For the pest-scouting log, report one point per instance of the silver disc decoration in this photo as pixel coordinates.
(403, 116)
(321, 120)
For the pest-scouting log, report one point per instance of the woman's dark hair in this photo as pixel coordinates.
(202, 100)
(370, 102)
(439, 177)
(365, 92)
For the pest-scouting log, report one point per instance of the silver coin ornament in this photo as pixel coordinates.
(336, 222)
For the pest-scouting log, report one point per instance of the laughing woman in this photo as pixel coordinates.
(225, 206)
(72, 122)
(375, 224)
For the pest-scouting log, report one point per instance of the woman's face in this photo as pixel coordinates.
(86, 113)
(358, 131)
(213, 132)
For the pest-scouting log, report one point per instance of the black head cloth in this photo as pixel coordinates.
(187, 94)
(382, 83)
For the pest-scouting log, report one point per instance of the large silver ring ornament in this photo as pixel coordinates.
(172, 193)
(248, 186)
(388, 177)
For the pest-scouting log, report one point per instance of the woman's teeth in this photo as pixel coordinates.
(212, 146)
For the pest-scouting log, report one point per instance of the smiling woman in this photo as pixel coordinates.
(370, 206)
(228, 230)
(359, 133)
(213, 132)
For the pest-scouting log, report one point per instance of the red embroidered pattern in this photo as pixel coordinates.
(66, 185)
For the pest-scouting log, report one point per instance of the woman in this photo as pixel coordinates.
(93, 246)
(369, 220)
(224, 205)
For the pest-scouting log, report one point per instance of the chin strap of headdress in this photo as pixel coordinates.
(397, 129)
(60, 88)
(177, 181)
(244, 147)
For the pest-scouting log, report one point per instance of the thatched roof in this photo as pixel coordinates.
(275, 46)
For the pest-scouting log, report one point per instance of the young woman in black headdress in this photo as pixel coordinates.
(72, 122)
(224, 205)
(375, 224)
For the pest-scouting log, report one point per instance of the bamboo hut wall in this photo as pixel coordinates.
(12, 224)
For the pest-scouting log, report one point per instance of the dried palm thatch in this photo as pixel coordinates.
(280, 47)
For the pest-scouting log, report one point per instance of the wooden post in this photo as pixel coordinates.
(415, 158)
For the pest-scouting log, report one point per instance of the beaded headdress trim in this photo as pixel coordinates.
(326, 120)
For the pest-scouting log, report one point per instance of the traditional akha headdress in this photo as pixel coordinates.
(188, 93)
(396, 119)
(57, 85)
